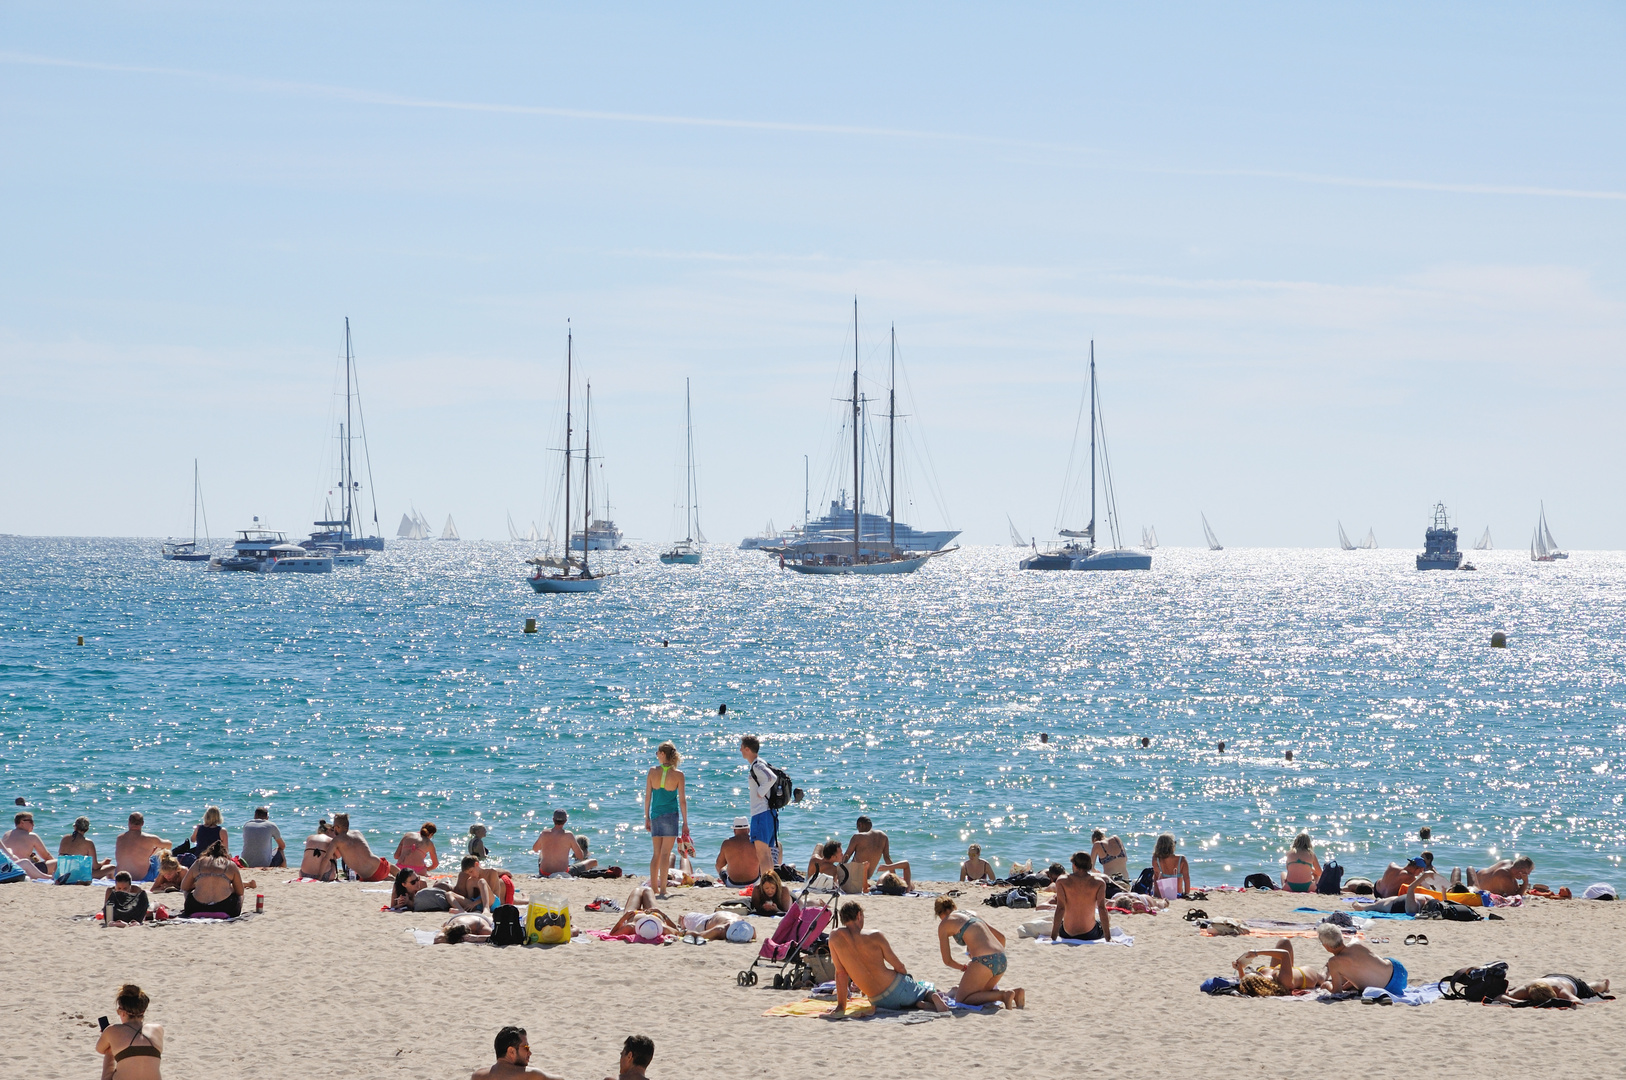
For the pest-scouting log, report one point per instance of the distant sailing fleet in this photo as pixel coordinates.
(847, 539)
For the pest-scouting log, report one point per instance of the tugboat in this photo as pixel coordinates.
(1440, 544)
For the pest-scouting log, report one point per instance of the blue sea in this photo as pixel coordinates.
(407, 692)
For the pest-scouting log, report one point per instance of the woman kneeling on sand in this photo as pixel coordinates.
(985, 947)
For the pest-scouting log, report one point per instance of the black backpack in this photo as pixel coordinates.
(1478, 984)
(1332, 879)
(1449, 910)
(506, 926)
(1258, 881)
(1143, 884)
(783, 790)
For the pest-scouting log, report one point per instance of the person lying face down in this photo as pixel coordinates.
(472, 927)
(128, 900)
(1569, 988)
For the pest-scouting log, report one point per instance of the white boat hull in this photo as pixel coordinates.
(1118, 559)
(312, 564)
(566, 584)
(896, 566)
(681, 558)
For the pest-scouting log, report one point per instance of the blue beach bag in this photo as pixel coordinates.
(74, 869)
(8, 871)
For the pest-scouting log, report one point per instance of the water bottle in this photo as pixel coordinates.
(107, 913)
(259, 903)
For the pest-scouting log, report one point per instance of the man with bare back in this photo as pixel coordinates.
(871, 845)
(353, 849)
(868, 961)
(558, 850)
(1081, 904)
(136, 852)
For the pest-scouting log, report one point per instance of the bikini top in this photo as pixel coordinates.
(970, 921)
(138, 1051)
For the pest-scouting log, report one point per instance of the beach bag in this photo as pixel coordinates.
(1143, 884)
(74, 869)
(506, 929)
(1332, 879)
(783, 789)
(1258, 881)
(1478, 984)
(1449, 910)
(431, 900)
(9, 871)
(1021, 897)
(547, 921)
(1224, 928)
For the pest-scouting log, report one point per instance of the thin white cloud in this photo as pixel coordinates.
(373, 97)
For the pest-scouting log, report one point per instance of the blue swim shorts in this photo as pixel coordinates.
(764, 828)
(905, 992)
(1397, 981)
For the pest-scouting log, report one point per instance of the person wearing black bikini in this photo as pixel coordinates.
(132, 1046)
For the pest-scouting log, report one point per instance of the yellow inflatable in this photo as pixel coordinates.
(1471, 899)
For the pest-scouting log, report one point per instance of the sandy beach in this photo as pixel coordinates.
(325, 984)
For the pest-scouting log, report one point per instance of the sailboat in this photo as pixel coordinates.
(560, 579)
(413, 527)
(1343, 538)
(450, 531)
(1371, 541)
(1073, 555)
(1208, 533)
(343, 533)
(187, 550)
(686, 552)
(816, 553)
(1543, 548)
(1148, 537)
(1484, 542)
(1016, 537)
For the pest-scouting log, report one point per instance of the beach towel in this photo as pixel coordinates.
(1412, 995)
(605, 935)
(857, 1005)
(1118, 938)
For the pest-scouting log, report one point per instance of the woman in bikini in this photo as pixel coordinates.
(416, 850)
(213, 885)
(985, 950)
(1567, 988)
(975, 867)
(1281, 968)
(666, 813)
(170, 874)
(132, 1047)
(1109, 854)
(1170, 873)
(1302, 869)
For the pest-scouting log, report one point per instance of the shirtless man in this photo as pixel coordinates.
(737, 862)
(1510, 877)
(558, 850)
(317, 862)
(826, 860)
(473, 927)
(1081, 904)
(24, 843)
(1110, 853)
(491, 886)
(357, 856)
(513, 1057)
(1356, 967)
(137, 852)
(873, 848)
(636, 1054)
(1397, 877)
(868, 961)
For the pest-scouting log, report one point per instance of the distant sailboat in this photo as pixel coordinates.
(533, 536)
(413, 527)
(1484, 542)
(1148, 537)
(450, 531)
(1213, 541)
(1371, 541)
(1016, 537)
(1343, 538)
(1543, 548)
(585, 580)
(686, 552)
(187, 550)
(515, 536)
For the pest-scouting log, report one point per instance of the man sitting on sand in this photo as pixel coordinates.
(1397, 877)
(737, 862)
(262, 841)
(872, 846)
(560, 851)
(1356, 967)
(513, 1057)
(1081, 904)
(136, 853)
(317, 863)
(636, 1054)
(472, 927)
(353, 849)
(1510, 877)
(487, 884)
(23, 842)
(78, 843)
(867, 959)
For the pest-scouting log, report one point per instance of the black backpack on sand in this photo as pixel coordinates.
(1258, 881)
(506, 926)
(1332, 879)
(1449, 910)
(1477, 984)
(1143, 884)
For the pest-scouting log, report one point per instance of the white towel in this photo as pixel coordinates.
(1412, 995)
(1118, 938)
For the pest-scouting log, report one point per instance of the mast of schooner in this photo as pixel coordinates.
(892, 445)
(858, 480)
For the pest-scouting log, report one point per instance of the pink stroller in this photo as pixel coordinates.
(798, 939)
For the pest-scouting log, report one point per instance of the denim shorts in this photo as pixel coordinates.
(663, 825)
(905, 991)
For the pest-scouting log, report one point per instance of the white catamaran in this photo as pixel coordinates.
(555, 575)
(1543, 548)
(686, 552)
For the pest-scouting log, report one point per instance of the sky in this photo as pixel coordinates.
(1338, 265)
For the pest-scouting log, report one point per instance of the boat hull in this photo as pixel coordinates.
(1119, 559)
(1047, 560)
(188, 557)
(681, 558)
(895, 566)
(295, 564)
(565, 584)
(1446, 561)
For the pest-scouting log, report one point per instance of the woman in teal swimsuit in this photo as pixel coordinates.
(1303, 869)
(985, 949)
(666, 813)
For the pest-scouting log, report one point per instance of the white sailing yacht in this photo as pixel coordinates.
(1016, 537)
(1371, 541)
(1484, 542)
(1148, 537)
(346, 533)
(450, 531)
(414, 527)
(554, 575)
(1073, 555)
(1543, 548)
(1208, 533)
(686, 552)
(1343, 538)
(187, 550)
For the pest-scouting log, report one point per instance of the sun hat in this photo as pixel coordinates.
(740, 932)
(1601, 891)
(648, 927)
(742, 823)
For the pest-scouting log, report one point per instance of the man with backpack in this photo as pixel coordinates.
(762, 781)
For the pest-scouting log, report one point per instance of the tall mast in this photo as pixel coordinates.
(688, 427)
(346, 435)
(806, 490)
(858, 480)
(1092, 445)
(194, 502)
(587, 475)
(892, 444)
(567, 451)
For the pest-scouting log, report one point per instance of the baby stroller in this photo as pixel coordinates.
(797, 946)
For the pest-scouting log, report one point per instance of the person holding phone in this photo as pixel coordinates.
(132, 1047)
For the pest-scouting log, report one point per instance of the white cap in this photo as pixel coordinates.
(739, 931)
(648, 927)
(1601, 891)
(742, 823)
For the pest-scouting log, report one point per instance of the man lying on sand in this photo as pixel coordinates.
(559, 850)
(872, 846)
(490, 886)
(737, 862)
(867, 959)
(1356, 967)
(1394, 880)
(1510, 877)
(353, 849)
(1081, 904)
(1281, 967)
(513, 1057)
(136, 852)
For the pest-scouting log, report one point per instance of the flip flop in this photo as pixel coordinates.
(1411, 939)
(1422, 939)
(1384, 999)
(1193, 914)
